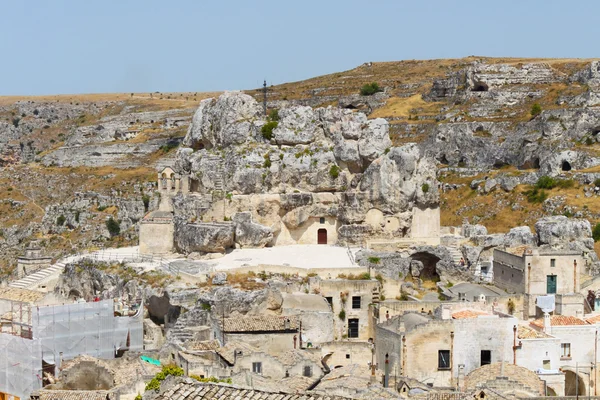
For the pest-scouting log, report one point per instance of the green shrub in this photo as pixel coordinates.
(536, 195)
(267, 129)
(169, 146)
(114, 228)
(536, 109)
(15, 122)
(77, 215)
(546, 182)
(146, 201)
(274, 115)
(597, 182)
(596, 232)
(60, 221)
(167, 370)
(267, 163)
(369, 89)
(334, 171)
(425, 187)
(102, 208)
(374, 260)
(342, 315)
(205, 306)
(510, 306)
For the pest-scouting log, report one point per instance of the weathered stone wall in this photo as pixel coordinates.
(269, 342)
(156, 238)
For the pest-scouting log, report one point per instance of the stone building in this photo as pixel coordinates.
(265, 332)
(439, 350)
(157, 228)
(32, 261)
(350, 301)
(504, 378)
(537, 272)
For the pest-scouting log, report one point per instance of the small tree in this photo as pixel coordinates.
(274, 115)
(114, 228)
(369, 89)
(60, 221)
(267, 129)
(536, 109)
(596, 232)
(425, 187)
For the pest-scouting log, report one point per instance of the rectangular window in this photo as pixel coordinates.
(565, 350)
(353, 327)
(257, 367)
(444, 359)
(546, 364)
(355, 302)
(307, 371)
(322, 220)
(552, 262)
(486, 357)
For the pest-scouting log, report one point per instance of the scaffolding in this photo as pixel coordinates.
(48, 335)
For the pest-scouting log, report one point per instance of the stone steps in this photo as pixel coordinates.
(456, 254)
(38, 277)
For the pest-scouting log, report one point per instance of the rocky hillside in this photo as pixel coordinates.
(495, 126)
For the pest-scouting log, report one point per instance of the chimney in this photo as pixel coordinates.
(547, 324)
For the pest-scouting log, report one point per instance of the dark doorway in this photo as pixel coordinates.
(551, 284)
(322, 236)
(353, 328)
(47, 372)
(566, 166)
(486, 357)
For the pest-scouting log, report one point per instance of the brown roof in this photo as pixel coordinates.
(468, 314)
(261, 323)
(23, 295)
(76, 395)
(593, 320)
(204, 345)
(559, 320)
(188, 389)
(525, 332)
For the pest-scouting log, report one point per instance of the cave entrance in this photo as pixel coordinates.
(480, 87)
(566, 166)
(429, 271)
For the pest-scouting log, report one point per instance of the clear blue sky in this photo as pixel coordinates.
(92, 46)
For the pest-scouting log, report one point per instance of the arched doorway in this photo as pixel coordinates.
(322, 236)
(574, 384)
(566, 166)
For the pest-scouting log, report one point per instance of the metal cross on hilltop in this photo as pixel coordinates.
(265, 97)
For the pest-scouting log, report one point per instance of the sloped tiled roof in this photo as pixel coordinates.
(525, 332)
(559, 320)
(468, 314)
(261, 323)
(187, 389)
(24, 295)
(204, 345)
(76, 395)
(227, 351)
(593, 320)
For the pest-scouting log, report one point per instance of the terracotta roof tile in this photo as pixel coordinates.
(76, 395)
(204, 345)
(23, 295)
(525, 332)
(468, 314)
(593, 320)
(183, 388)
(559, 320)
(261, 323)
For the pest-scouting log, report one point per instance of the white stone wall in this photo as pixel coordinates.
(271, 342)
(426, 223)
(156, 238)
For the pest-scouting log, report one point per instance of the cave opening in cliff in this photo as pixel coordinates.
(443, 160)
(480, 87)
(566, 166)
(429, 271)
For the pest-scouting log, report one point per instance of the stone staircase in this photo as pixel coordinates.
(455, 253)
(179, 333)
(218, 193)
(35, 279)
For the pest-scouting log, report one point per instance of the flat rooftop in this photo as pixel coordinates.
(299, 256)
